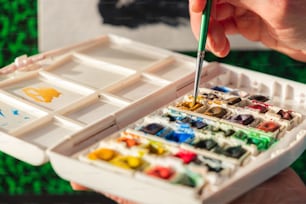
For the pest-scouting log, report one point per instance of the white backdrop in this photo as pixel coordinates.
(63, 22)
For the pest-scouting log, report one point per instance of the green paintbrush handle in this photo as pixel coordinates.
(204, 26)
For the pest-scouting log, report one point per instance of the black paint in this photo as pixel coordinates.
(206, 144)
(235, 152)
(198, 124)
(135, 13)
(152, 128)
(233, 100)
(259, 98)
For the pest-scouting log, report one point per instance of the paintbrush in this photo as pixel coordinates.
(201, 48)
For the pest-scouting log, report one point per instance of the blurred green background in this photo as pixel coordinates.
(20, 181)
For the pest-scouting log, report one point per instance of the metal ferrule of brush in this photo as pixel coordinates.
(200, 59)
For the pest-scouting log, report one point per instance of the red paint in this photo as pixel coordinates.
(186, 156)
(268, 126)
(161, 172)
(261, 108)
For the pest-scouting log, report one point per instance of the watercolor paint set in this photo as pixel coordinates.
(118, 116)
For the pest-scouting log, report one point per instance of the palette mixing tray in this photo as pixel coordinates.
(117, 116)
(105, 83)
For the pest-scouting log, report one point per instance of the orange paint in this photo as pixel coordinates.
(130, 142)
(41, 94)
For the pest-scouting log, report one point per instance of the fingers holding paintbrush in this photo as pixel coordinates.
(216, 42)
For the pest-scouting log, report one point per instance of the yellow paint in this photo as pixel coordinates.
(156, 148)
(186, 105)
(103, 154)
(134, 162)
(127, 162)
(41, 94)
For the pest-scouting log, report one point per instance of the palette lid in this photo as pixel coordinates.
(99, 85)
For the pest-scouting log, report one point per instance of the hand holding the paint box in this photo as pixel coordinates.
(117, 199)
(279, 25)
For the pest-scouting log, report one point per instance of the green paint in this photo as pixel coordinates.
(259, 139)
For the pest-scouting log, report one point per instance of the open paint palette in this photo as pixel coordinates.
(117, 116)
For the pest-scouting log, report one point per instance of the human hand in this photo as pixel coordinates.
(285, 187)
(117, 199)
(278, 24)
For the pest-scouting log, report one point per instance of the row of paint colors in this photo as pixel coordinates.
(246, 111)
(203, 134)
(150, 158)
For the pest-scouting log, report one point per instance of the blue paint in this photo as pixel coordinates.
(165, 133)
(15, 112)
(182, 133)
(195, 122)
(221, 89)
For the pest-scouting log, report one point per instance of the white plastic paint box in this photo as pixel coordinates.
(86, 95)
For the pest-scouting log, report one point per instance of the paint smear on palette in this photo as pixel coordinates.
(11, 118)
(15, 112)
(44, 94)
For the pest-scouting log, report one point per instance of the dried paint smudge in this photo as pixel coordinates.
(45, 95)
(15, 112)
(1, 113)
(12, 117)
